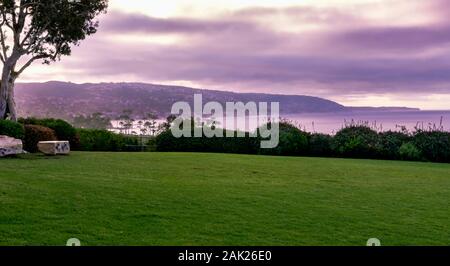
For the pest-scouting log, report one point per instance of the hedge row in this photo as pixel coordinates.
(33, 130)
(62, 129)
(12, 129)
(103, 140)
(350, 142)
(30, 134)
(165, 142)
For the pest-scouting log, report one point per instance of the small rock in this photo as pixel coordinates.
(10, 146)
(54, 147)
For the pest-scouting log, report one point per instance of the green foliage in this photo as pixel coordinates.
(409, 152)
(434, 145)
(151, 144)
(320, 145)
(99, 140)
(11, 129)
(239, 145)
(103, 140)
(293, 141)
(34, 134)
(356, 142)
(63, 130)
(165, 141)
(353, 141)
(350, 142)
(55, 25)
(390, 143)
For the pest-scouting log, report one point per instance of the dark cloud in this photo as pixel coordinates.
(244, 53)
(397, 38)
(125, 23)
(338, 74)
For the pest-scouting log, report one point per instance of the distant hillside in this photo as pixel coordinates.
(65, 100)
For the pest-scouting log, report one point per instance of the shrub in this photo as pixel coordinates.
(151, 144)
(242, 145)
(131, 144)
(103, 140)
(390, 143)
(11, 129)
(34, 134)
(29, 121)
(320, 145)
(63, 130)
(293, 141)
(434, 145)
(409, 152)
(99, 140)
(356, 142)
(166, 142)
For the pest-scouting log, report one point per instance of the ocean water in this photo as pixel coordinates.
(330, 123)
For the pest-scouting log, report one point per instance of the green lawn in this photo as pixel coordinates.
(212, 199)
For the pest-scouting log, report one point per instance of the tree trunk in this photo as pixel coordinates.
(4, 93)
(3, 102)
(7, 102)
(11, 107)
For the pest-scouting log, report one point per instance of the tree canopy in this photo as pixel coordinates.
(41, 30)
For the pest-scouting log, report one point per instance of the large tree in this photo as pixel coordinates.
(40, 30)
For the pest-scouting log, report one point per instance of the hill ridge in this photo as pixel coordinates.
(66, 99)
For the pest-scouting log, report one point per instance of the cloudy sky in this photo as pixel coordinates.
(357, 52)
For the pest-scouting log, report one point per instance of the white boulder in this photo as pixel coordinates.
(10, 146)
(54, 147)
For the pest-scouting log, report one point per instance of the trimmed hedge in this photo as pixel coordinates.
(409, 152)
(34, 134)
(166, 142)
(350, 142)
(320, 145)
(12, 129)
(356, 142)
(434, 145)
(390, 144)
(103, 140)
(63, 130)
(293, 141)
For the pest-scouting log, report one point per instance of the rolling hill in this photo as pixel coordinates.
(65, 100)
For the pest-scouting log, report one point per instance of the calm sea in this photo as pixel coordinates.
(330, 123)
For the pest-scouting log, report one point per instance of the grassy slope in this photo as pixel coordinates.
(210, 199)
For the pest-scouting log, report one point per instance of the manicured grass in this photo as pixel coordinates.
(212, 199)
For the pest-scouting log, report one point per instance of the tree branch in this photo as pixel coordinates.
(5, 19)
(29, 62)
(4, 46)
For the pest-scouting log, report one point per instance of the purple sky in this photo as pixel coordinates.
(366, 52)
